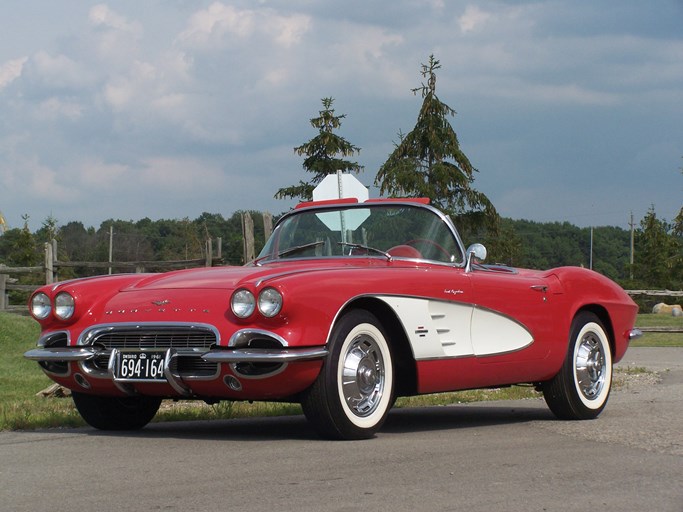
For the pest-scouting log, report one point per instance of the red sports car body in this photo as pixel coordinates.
(348, 306)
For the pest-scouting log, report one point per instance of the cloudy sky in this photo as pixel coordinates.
(572, 110)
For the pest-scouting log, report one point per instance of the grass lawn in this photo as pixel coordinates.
(21, 380)
(659, 339)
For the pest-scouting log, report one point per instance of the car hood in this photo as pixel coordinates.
(216, 278)
(219, 278)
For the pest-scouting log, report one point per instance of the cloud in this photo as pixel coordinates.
(55, 108)
(121, 99)
(220, 25)
(102, 16)
(11, 70)
(472, 19)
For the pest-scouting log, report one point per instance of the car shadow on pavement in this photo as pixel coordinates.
(399, 421)
(419, 419)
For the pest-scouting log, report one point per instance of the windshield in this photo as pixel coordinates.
(383, 231)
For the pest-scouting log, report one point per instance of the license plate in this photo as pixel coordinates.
(140, 365)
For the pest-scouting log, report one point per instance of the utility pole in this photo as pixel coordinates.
(632, 245)
(111, 245)
(590, 264)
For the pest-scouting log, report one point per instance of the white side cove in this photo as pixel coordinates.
(438, 329)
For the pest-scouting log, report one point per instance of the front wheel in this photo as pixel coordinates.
(581, 389)
(352, 396)
(116, 413)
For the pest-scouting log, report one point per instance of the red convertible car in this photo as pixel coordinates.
(349, 305)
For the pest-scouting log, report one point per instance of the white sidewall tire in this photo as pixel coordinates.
(597, 331)
(377, 415)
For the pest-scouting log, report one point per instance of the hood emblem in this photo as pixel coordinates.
(161, 302)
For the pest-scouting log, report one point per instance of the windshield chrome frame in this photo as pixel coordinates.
(373, 204)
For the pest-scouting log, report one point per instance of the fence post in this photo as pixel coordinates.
(248, 233)
(49, 264)
(267, 224)
(209, 252)
(3, 291)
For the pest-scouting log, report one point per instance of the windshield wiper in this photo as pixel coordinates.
(299, 248)
(366, 248)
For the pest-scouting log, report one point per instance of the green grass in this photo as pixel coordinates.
(659, 339)
(21, 380)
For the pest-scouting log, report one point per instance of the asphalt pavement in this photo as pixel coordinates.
(494, 456)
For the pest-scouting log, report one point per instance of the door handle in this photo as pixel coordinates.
(539, 287)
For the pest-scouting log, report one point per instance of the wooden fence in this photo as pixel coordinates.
(51, 266)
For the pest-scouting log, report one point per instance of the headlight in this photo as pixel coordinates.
(40, 306)
(64, 306)
(242, 303)
(270, 302)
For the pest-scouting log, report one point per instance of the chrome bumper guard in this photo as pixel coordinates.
(634, 334)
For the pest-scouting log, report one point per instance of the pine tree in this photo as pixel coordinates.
(658, 253)
(325, 154)
(428, 161)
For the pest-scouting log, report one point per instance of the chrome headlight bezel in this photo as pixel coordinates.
(41, 306)
(243, 303)
(64, 305)
(270, 302)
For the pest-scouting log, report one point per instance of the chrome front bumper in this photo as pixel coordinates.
(177, 381)
(238, 355)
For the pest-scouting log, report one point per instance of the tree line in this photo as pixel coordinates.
(523, 243)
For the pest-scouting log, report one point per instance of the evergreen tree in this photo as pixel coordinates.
(428, 161)
(325, 154)
(678, 221)
(658, 253)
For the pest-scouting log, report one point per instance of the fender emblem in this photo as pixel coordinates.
(161, 302)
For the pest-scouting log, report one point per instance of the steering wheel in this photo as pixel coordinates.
(416, 241)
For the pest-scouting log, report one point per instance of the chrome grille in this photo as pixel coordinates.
(189, 340)
(155, 338)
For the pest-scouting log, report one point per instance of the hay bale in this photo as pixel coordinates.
(666, 309)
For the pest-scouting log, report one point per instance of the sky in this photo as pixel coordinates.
(571, 110)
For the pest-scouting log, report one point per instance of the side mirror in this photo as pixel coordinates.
(476, 253)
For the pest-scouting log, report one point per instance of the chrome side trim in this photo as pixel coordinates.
(252, 355)
(61, 354)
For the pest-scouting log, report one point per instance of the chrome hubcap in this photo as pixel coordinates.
(363, 376)
(590, 366)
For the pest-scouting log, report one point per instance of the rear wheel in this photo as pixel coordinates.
(581, 389)
(116, 413)
(353, 393)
